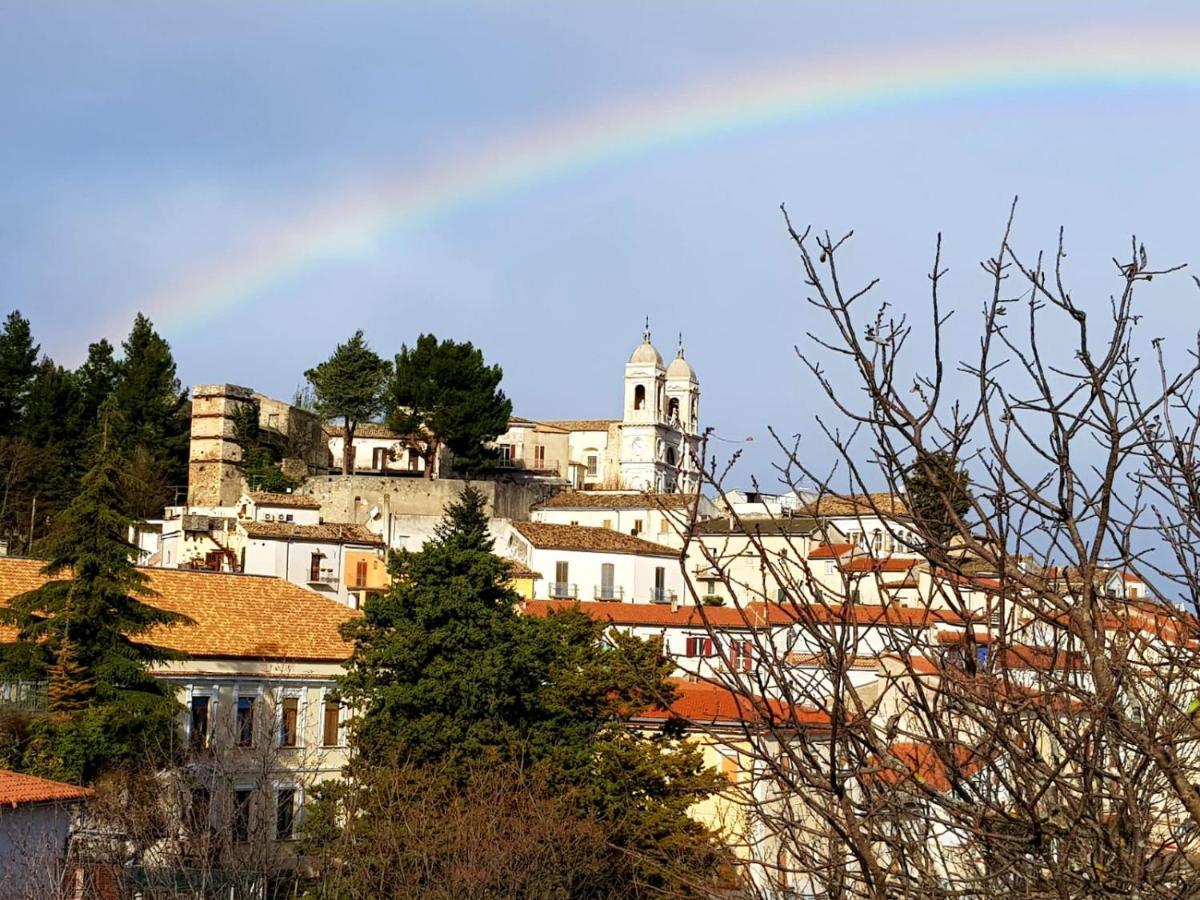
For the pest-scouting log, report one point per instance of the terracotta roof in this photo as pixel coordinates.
(579, 537)
(616, 500)
(799, 525)
(857, 505)
(291, 501)
(520, 570)
(17, 789)
(580, 424)
(753, 615)
(921, 763)
(874, 564)
(328, 532)
(365, 430)
(702, 703)
(233, 616)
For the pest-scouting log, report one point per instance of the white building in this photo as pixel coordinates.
(336, 560)
(651, 447)
(580, 563)
(662, 518)
(36, 818)
(377, 449)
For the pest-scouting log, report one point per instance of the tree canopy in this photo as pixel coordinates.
(18, 356)
(79, 631)
(349, 386)
(938, 492)
(444, 394)
(446, 672)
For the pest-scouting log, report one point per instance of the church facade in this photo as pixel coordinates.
(652, 447)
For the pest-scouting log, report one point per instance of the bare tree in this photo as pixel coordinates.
(1006, 689)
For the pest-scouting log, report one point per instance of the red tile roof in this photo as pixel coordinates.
(877, 504)
(233, 616)
(17, 789)
(579, 424)
(753, 615)
(921, 763)
(545, 536)
(830, 551)
(702, 703)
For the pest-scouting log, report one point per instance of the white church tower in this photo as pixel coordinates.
(659, 429)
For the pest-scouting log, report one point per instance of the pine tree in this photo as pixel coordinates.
(349, 386)
(937, 490)
(446, 672)
(445, 393)
(152, 405)
(18, 356)
(80, 631)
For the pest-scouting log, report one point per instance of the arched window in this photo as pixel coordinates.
(673, 408)
(877, 540)
(671, 455)
(639, 397)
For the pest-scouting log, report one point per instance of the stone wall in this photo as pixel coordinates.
(352, 499)
(214, 479)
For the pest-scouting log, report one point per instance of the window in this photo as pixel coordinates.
(877, 540)
(700, 645)
(289, 721)
(198, 730)
(245, 721)
(637, 527)
(539, 457)
(670, 456)
(830, 567)
(379, 458)
(593, 465)
(198, 810)
(360, 573)
(314, 567)
(639, 397)
(741, 655)
(660, 584)
(505, 453)
(607, 524)
(331, 724)
(272, 420)
(285, 813)
(240, 826)
(561, 587)
(664, 526)
(673, 408)
(414, 460)
(1133, 593)
(607, 590)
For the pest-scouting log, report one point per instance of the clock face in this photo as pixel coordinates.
(637, 444)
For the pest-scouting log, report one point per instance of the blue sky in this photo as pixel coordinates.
(143, 143)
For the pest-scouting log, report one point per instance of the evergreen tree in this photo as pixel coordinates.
(80, 631)
(933, 490)
(447, 672)
(349, 386)
(153, 407)
(96, 379)
(444, 393)
(18, 356)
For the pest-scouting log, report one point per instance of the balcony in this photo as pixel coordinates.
(562, 590)
(662, 595)
(329, 579)
(609, 593)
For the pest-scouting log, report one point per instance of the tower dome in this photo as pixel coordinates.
(644, 353)
(680, 368)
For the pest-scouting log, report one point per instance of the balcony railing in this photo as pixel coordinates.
(562, 590)
(609, 592)
(327, 578)
(661, 595)
(533, 466)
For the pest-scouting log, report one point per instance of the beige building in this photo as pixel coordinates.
(651, 447)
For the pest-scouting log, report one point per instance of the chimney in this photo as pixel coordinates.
(674, 603)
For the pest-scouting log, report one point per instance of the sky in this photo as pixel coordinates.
(264, 179)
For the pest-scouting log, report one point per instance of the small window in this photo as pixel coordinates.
(240, 826)
(639, 397)
(637, 527)
(199, 725)
(360, 573)
(664, 527)
(831, 567)
(877, 540)
(673, 408)
(289, 721)
(741, 655)
(701, 646)
(607, 524)
(670, 456)
(285, 814)
(245, 721)
(593, 465)
(314, 568)
(331, 725)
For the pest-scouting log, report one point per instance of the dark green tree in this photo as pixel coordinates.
(262, 451)
(153, 407)
(96, 379)
(937, 490)
(50, 425)
(349, 386)
(81, 631)
(443, 393)
(447, 672)
(18, 358)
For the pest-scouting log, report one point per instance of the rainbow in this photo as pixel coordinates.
(1164, 55)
